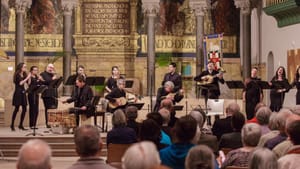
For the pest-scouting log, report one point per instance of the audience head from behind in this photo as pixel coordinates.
(167, 103)
(259, 105)
(198, 117)
(34, 154)
(232, 108)
(156, 117)
(201, 111)
(238, 121)
(87, 141)
(185, 129)
(131, 113)
(263, 158)
(166, 116)
(293, 130)
(281, 117)
(119, 118)
(251, 134)
(142, 155)
(200, 157)
(150, 131)
(263, 115)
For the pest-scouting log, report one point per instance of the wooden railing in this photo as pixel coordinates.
(274, 2)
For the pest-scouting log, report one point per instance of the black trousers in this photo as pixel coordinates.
(33, 100)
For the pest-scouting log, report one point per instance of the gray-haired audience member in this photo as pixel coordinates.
(291, 159)
(132, 114)
(166, 116)
(200, 157)
(88, 144)
(263, 115)
(274, 125)
(34, 154)
(198, 117)
(263, 158)
(142, 155)
(251, 133)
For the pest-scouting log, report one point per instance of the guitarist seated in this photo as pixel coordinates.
(82, 97)
(117, 97)
(166, 92)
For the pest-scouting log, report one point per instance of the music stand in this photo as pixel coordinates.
(235, 84)
(128, 83)
(36, 90)
(95, 80)
(56, 82)
(71, 80)
(177, 107)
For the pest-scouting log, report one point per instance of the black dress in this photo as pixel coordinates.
(112, 82)
(277, 98)
(33, 99)
(19, 97)
(253, 92)
(297, 84)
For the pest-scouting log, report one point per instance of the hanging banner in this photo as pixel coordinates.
(212, 48)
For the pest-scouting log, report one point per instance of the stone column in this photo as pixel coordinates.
(245, 7)
(133, 9)
(199, 7)
(150, 8)
(67, 7)
(21, 6)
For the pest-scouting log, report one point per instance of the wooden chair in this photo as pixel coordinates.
(115, 152)
(236, 167)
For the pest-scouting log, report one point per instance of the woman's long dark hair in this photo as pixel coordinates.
(283, 74)
(18, 71)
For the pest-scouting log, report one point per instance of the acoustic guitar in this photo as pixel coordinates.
(121, 101)
(208, 79)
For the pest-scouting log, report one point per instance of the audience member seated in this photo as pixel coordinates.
(274, 124)
(291, 159)
(222, 126)
(34, 154)
(259, 105)
(200, 157)
(206, 138)
(150, 131)
(263, 115)
(168, 104)
(198, 117)
(263, 158)
(165, 139)
(142, 155)
(184, 131)
(120, 134)
(166, 116)
(251, 133)
(88, 145)
(131, 114)
(233, 140)
(282, 115)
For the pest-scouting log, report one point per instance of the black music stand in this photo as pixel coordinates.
(128, 83)
(71, 80)
(177, 107)
(56, 82)
(235, 84)
(36, 90)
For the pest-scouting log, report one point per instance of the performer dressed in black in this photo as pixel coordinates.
(209, 80)
(117, 97)
(252, 93)
(19, 97)
(297, 84)
(111, 83)
(279, 86)
(33, 97)
(82, 97)
(174, 77)
(50, 94)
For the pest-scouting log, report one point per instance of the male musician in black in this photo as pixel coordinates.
(209, 81)
(252, 93)
(117, 97)
(82, 97)
(50, 94)
(174, 77)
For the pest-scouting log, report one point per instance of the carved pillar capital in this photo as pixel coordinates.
(21, 5)
(151, 7)
(68, 6)
(199, 6)
(244, 5)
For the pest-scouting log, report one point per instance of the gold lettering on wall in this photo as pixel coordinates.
(107, 18)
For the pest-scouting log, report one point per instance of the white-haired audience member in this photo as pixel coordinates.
(200, 157)
(120, 133)
(291, 159)
(251, 133)
(34, 154)
(198, 117)
(263, 115)
(142, 155)
(88, 145)
(263, 158)
(274, 125)
(166, 116)
(184, 131)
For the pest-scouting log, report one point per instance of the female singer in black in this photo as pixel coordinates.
(33, 96)
(297, 84)
(279, 86)
(19, 97)
(112, 81)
